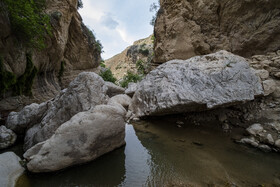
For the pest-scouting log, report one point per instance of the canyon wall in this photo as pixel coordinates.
(186, 28)
(70, 49)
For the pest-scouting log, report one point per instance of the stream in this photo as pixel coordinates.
(162, 153)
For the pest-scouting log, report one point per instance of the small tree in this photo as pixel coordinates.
(80, 4)
(130, 77)
(154, 7)
(107, 75)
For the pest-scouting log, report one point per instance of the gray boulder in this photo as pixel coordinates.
(83, 138)
(255, 129)
(114, 89)
(199, 83)
(26, 118)
(131, 89)
(10, 169)
(83, 93)
(121, 99)
(7, 137)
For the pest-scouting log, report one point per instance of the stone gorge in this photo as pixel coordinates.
(184, 29)
(215, 62)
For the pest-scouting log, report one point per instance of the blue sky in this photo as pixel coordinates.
(117, 23)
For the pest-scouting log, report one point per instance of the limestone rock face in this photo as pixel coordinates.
(10, 169)
(126, 60)
(84, 93)
(70, 42)
(86, 136)
(200, 83)
(7, 137)
(184, 29)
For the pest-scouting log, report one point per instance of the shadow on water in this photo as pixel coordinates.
(159, 153)
(108, 170)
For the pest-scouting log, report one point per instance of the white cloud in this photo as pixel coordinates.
(117, 23)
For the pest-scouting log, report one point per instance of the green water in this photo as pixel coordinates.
(159, 153)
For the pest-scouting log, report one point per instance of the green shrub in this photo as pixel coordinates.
(102, 64)
(99, 46)
(29, 23)
(130, 77)
(24, 82)
(107, 75)
(140, 67)
(144, 52)
(80, 4)
(21, 85)
(92, 39)
(7, 79)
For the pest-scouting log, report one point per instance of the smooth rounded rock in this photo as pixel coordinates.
(10, 169)
(85, 137)
(255, 129)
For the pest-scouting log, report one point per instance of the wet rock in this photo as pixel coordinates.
(132, 87)
(269, 87)
(86, 136)
(226, 127)
(270, 139)
(7, 137)
(251, 141)
(114, 89)
(255, 129)
(199, 83)
(222, 117)
(10, 169)
(277, 143)
(264, 148)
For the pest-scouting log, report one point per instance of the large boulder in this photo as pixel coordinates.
(7, 137)
(184, 29)
(86, 136)
(10, 169)
(200, 83)
(114, 89)
(84, 93)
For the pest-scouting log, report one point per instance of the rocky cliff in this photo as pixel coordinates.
(70, 49)
(185, 29)
(126, 60)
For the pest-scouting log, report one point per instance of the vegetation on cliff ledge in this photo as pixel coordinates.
(7, 79)
(21, 85)
(28, 21)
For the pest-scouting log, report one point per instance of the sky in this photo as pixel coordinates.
(117, 23)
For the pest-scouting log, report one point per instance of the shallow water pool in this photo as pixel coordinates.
(159, 153)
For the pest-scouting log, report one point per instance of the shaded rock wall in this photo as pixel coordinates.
(186, 28)
(70, 42)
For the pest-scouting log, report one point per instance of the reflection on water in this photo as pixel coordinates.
(158, 153)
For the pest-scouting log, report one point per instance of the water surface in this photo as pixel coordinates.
(159, 153)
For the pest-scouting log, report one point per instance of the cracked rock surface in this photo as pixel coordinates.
(184, 29)
(199, 83)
